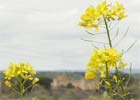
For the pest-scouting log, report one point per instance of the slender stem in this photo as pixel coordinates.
(108, 34)
(22, 93)
(118, 74)
(107, 74)
(15, 90)
(21, 89)
(110, 88)
(121, 85)
(110, 44)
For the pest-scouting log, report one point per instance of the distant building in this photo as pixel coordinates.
(64, 81)
(60, 81)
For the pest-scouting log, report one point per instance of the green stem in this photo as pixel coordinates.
(108, 34)
(121, 85)
(22, 93)
(110, 88)
(110, 44)
(107, 74)
(21, 89)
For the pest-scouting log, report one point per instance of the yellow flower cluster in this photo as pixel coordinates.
(102, 60)
(19, 71)
(93, 16)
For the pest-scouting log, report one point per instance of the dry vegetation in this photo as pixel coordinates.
(68, 86)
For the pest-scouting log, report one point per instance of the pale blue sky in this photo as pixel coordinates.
(46, 33)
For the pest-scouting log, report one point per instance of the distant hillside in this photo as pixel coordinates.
(53, 74)
(133, 71)
(74, 74)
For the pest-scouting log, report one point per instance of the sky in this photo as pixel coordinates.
(46, 34)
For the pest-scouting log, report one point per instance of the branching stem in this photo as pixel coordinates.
(118, 74)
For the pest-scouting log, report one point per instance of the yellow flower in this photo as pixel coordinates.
(8, 74)
(8, 84)
(18, 75)
(35, 80)
(93, 16)
(119, 5)
(22, 71)
(102, 59)
(90, 74)
(103, 7)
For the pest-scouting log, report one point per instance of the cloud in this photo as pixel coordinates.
(46, 33)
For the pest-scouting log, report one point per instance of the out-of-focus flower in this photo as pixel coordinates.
(17, 75)
(8, 84)
(19, 71)
(35, 80)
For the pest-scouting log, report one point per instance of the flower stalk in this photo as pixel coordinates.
(117, 71)
(110, 88)
(107, 31)
(102, 60)
(17, 75)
